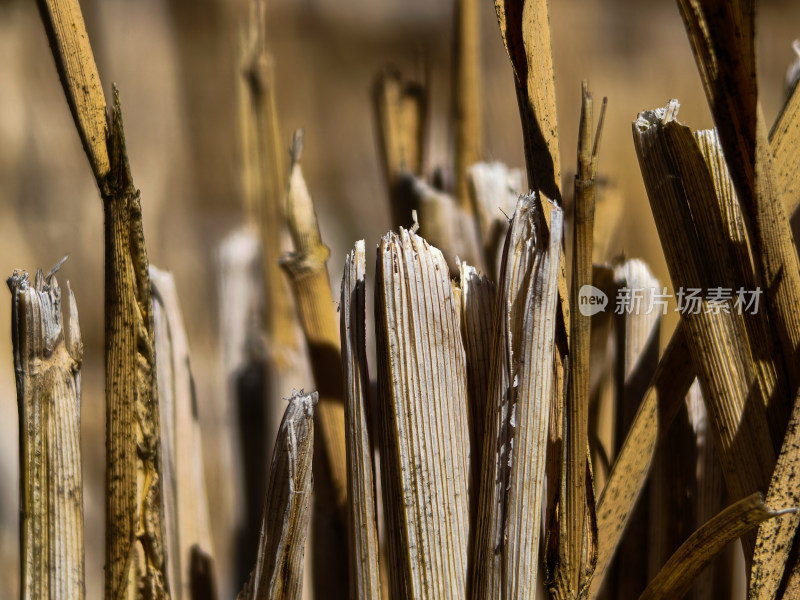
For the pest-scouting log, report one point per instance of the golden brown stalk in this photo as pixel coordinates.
(506, 553)
(69, 42)
(278, 572)
(676, 178)
(401, 116)
(468, 84)
(308, 275)
(721, 223)
(47, 361)
(784, 142)
(525, 28)
(423, 412)
(362, 525)
(722, 37)
(264, 180)
(677, 576)
(576, 532)
(662, 401)
(186, 519)
(776, 538)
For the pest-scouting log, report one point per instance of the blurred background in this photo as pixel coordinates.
(175, 64)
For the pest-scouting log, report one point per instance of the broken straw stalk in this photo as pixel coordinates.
(483, 390)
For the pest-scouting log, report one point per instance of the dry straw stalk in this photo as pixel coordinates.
(47, 361)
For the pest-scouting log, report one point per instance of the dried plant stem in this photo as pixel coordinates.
(135, 553)
(637, 334)
(677, 576)
(278, 572)
(69, 42)
(423, 412)
(187, 525)
(362, 526)
(47, 361)
(308, 275)
(722, 224)
(526, 34)
(661, 403)
(576, 543)
(478, 296)
(784, 141)
(676, 178)
(506, 553)
(401, 115)
(722, 37)
(494, 190)
(264, 182)
(467, 88)
(525, 29)
(714, 581)
(444, 223)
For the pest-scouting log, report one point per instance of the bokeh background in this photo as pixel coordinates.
(175, 64)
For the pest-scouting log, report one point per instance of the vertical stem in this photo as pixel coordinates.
(47, 364)
(467, 95)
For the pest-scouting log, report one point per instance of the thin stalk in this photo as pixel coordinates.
(467, 88)
(677, 576)
(576, 558)
(308, 275)
(362, 525)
